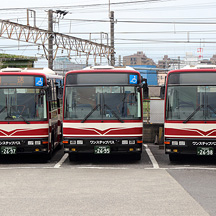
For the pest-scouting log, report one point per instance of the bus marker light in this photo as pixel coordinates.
(139, 141)
(45, 142)
(167, 142)
(131, 149)
(65, 141)
(37, 149)
(175, 150)
(73, 149)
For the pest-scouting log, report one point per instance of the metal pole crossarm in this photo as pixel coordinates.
(80, 45)
(38, 36)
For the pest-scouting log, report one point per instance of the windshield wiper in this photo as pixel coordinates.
(193, 113)
(209, 106)
(114, 113)
(20, 116)
(12, 118)
(8, 117)
(3, 109)
(95, 108)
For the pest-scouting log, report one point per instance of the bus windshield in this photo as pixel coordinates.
(191, 103)
(22, 104)
(102, 102)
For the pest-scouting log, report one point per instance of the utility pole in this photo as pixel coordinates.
(50, 39)
(179, 61)
(112, 38)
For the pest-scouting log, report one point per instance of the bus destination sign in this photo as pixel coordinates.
(102, 78)
(21, 81)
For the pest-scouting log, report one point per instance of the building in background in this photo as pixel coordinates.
(137, 59)
(144, 65)
(167, 63)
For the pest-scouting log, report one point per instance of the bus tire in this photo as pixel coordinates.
(174, 157)
(46, 157)
(137, 156)
(73, 157)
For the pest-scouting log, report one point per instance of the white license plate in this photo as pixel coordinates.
(205, 151)
(102, 150)
(8, 150)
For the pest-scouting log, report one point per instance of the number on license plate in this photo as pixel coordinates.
(102, 150)
(8, 150)
(205, 151)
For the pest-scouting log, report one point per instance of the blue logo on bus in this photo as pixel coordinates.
(38, 81)
(133, 79)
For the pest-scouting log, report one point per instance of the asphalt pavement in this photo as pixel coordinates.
(112, 185)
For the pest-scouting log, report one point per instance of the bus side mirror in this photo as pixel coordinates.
(143, 80)
(162, 92)
(145, 88)
(145, 92)
(49, 91)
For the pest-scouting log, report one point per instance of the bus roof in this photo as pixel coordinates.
(185, 70)
(106, 69)
(42, 70)
(200, 66)
(35, 71)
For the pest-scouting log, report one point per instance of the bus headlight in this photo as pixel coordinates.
(78, 142)
(181, 142)
(174, 142)
(30, 142)
(124, 142)
(38, 142)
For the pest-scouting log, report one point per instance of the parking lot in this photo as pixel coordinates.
(110, 185)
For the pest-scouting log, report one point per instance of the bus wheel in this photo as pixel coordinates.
(46, 157)
(174, 157)
(73, 157)
(137, 156)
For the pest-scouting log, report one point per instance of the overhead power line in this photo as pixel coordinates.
(88, 5)
(146, 21)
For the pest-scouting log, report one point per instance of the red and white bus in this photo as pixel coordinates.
(103, 112)
(190, 113)
(30, 111)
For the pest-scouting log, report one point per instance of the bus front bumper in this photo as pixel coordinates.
(201, 147)
(23, 146)
(102, 146)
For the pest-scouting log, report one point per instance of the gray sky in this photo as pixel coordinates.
(171, 27)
